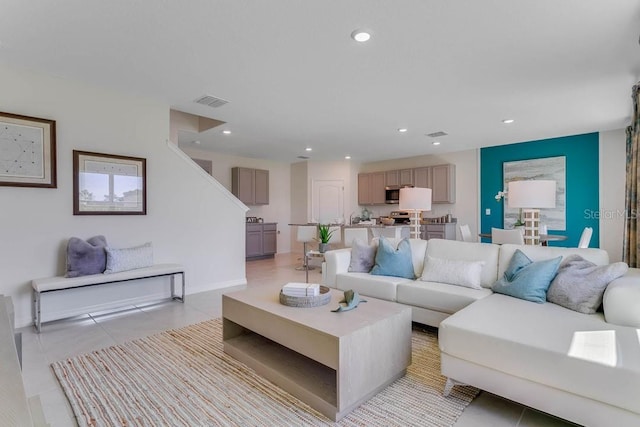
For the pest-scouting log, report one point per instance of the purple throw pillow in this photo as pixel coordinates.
(86, 257)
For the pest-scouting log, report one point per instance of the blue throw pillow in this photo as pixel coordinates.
(526, 279)
(392, 262)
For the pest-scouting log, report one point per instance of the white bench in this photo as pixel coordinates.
(54, 284)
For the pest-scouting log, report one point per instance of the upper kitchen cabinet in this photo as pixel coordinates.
(251, 186)
(406, 177)
(398, 178)
(392, 178)
(422, 177)
(371, 188)
(443, 183)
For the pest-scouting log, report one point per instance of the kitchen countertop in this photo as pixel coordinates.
(359, 225)
(374, 226)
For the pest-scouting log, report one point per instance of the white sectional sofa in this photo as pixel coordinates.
(576, 366)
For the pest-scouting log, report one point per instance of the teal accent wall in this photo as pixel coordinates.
(582, 182)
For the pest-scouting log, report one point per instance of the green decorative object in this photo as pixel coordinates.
(351, 301)
(324, 233)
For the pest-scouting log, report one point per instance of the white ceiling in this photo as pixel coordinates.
(295, 78)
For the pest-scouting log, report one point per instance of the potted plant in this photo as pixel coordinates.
(324, 235)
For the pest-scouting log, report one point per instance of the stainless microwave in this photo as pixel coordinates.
(392, 194)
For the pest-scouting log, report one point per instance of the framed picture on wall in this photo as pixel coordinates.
(548, 168)
(107, 184)
(27, 151)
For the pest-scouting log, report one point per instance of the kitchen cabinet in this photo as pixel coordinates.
(398, 178)
(443, 181)
(422, 177)
(438, 231)
(261, 240)
(371, 188)
(406, 177)
(392, 178)
(251, 186)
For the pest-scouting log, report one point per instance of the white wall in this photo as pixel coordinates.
(278, 210)
(612, 186)
(189, 220)
(467, 172)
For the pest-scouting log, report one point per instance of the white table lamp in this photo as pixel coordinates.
(531, 196)
(415, 200)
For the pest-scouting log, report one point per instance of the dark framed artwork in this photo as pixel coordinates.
(107, 184)
(27, 151)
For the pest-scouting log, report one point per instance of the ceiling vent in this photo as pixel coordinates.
(211, 101)
(304, 157)
(437, 134)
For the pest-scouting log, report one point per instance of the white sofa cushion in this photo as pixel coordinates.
(383, 287)
(539, 253)
(621, 300)
(439, 296)
(453, 271)
(468, 251)
(548, 344)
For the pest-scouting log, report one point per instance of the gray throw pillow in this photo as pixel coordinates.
(580, 284)
(362, 257)
(129, 258)
(86, 257)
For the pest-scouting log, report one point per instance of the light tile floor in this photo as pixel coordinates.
(66, 338)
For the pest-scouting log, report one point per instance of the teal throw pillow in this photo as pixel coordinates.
(526, 279)
(392, 262)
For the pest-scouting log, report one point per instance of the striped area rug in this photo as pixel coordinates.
(182, 377)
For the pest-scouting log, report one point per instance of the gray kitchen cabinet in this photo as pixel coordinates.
(371, 188)
(261, 240)
(251, 186)
(269, 239)
(254, 241)
(443, 181)
(438, 231)
(392, 178)
(422, 177)
(406, 177)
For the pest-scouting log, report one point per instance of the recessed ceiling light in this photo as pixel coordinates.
(196, 142)
(226, 132)
(508, 121)
(308, 149)
(347, 157)
(402, 130)
(360, 36)
(436, 143)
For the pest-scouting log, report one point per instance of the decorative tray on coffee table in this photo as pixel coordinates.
(306, 302)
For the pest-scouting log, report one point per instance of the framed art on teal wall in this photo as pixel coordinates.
(548, 168)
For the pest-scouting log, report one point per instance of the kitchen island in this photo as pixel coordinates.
(390, 231)
(399, 231)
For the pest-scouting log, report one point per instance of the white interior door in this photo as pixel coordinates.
(327, 200)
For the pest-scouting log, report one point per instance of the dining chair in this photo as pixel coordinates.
(306, 234)
(501, 236)
(465, 232)
(350, 234)
(585, 238)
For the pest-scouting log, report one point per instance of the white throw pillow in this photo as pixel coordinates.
(128, 258)
(453, 272)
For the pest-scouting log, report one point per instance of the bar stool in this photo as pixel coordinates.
(305, 234)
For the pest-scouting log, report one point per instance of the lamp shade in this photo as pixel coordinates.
(418, 199)
(532, 194)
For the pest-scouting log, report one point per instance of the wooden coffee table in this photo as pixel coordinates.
(331, 361)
